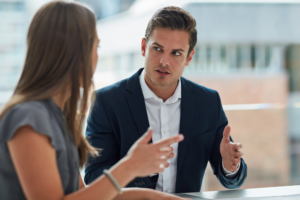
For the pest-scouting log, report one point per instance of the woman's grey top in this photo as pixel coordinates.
(46, 118)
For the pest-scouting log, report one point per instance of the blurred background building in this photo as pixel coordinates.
(247, 50)
(12, 44)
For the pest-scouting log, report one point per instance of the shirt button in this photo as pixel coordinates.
(167, 190)
(164, 132)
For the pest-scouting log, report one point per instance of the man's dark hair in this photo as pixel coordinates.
(175, 18)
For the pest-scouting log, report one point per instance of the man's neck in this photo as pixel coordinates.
(163, 92)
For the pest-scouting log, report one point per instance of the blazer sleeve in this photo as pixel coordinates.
(216, 159)
(100, 134)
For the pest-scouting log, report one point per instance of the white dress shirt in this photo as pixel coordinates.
(164, 118)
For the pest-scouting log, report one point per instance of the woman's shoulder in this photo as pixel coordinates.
(33, 109)
(33, 113)
(36, 106)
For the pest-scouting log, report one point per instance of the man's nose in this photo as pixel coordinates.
(165, 60)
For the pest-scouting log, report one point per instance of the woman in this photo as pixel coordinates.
(41, 144)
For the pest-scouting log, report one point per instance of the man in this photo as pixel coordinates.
(159, 97)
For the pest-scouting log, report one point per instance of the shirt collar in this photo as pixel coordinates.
(148, 93)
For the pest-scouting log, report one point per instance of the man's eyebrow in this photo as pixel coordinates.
(163, 47)
(178, 50)
(158, 44)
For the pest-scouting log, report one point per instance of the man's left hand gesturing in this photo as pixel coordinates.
(230, 151)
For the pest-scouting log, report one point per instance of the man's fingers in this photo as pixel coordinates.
(238, 146)
(146, 137)
(239, 154)
(234, 168)
(226, 134)
(236, 161)
(170, 140)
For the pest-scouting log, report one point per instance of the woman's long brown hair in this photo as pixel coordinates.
(59, 47)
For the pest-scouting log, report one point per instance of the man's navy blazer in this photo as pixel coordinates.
(119, 117)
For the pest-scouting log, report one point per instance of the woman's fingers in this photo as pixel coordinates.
(152, 157)
(167, 164)
(164, 149)
(171, 155)
(172, 149)
(168, 141)
(146, 137)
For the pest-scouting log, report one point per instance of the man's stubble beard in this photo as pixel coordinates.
(164, 85)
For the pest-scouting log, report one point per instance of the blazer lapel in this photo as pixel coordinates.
(136, 103)
(188, 102)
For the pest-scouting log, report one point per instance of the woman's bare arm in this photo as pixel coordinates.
(35, 162)
(34, 159)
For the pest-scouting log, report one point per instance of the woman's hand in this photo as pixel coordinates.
(145, 159)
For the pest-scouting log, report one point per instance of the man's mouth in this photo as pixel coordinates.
(162, 72)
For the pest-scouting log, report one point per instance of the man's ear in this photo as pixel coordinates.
(190, 57)
(143, 46)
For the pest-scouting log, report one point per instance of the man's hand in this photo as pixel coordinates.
(230, 151)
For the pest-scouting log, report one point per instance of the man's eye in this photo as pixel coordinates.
(157, 48)
(176, 53)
